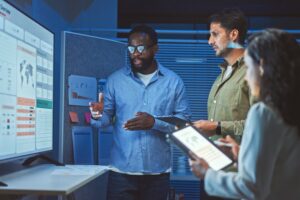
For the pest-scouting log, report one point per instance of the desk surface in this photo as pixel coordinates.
(50, 179)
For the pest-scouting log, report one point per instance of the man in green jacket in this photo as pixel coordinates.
(229, 99)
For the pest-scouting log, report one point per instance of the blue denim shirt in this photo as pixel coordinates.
(142, 151)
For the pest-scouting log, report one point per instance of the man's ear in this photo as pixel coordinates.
(234, 35)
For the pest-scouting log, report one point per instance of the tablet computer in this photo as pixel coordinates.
(174, 120)
(190, 139)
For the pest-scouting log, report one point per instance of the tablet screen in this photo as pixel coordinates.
(189, 138)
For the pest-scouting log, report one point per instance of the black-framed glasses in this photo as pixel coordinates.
(139, 48)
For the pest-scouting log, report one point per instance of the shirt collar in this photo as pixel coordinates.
(237, 64)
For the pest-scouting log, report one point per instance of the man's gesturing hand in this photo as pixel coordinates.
(96, 108)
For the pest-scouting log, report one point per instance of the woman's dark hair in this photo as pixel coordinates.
(232, 18)
(142, 28)
(280, 83)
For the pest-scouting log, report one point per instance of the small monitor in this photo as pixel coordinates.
(26, 84)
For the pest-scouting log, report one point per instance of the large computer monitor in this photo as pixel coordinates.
(26, 85)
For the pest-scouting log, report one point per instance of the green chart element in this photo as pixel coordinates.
(41, 103)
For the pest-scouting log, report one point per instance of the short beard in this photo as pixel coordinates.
(146, 63)
(224, 52)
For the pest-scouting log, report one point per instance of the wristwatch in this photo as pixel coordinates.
(218, 129)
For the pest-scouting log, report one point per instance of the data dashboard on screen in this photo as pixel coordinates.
(26, 84)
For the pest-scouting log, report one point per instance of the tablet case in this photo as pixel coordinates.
(174, 120)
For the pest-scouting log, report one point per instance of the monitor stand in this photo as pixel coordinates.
(30, 160)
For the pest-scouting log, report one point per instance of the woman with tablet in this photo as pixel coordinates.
(269, 156)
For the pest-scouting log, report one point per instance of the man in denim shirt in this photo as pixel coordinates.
(140, 155)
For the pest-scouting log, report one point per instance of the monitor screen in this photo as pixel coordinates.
(26, 84)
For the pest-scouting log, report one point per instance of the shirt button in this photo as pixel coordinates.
(215, 101)
(211, 119)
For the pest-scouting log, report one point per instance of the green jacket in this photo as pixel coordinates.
(230, 99)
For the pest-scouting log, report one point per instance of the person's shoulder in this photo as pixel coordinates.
(264, 115)
(259, 107)
(168, 72)
(262, 110)
(119, 72)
